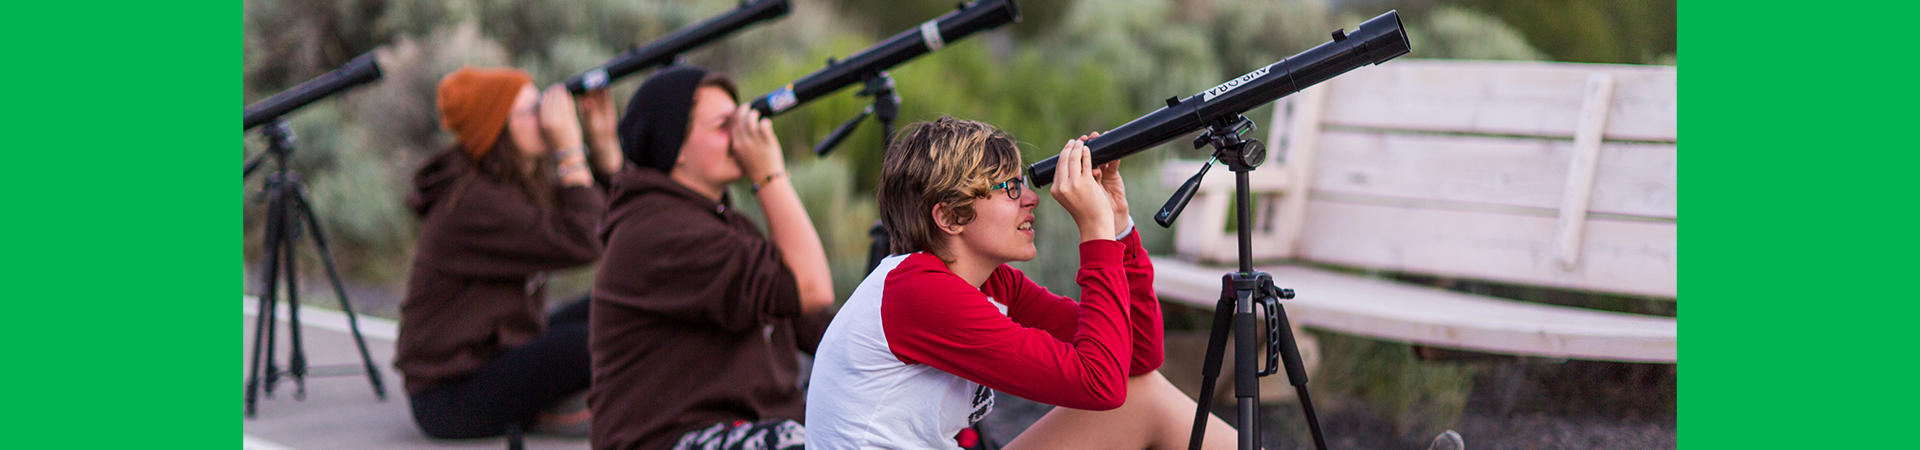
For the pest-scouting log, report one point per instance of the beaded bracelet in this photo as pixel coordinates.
(769, 179)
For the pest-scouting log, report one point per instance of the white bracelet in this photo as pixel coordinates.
(564, 153)
(568, 169)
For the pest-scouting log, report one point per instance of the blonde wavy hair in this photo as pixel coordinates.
(949, 161)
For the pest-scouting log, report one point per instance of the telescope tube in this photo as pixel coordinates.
(969, 19)
(361, 70)
(661, 51)
(1375, 41)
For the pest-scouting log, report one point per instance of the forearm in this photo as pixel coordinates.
(799, 243)
(571, 167)
(605, 152)
(1148, 329)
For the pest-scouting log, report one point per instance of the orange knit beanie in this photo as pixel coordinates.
(475, 102)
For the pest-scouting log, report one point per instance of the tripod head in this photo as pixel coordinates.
(279, 138)
(1241, 155)
(279, 144)
(1225, 136)
(885, 108)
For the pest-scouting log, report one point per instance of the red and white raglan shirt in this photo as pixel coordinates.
(916, 353)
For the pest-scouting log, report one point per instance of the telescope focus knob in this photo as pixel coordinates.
(1253, 152)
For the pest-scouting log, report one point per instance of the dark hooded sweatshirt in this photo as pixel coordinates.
(475, 290)
(695, 318)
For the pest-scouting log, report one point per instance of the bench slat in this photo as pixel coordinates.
(1635, 179)
(1626, 257)
(1429, 316)
(1509, 98)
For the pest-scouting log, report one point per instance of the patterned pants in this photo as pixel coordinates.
(772, 434)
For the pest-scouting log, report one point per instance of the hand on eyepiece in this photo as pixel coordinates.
(601, 124)
(1084, 197)
(1109, 176)
(557, 119)
(754, 145)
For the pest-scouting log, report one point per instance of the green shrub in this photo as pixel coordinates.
(1453, 32)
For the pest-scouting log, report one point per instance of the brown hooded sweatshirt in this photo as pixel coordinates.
(695, 318)
(475, 289)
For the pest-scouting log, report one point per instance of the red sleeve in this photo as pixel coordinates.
(932, 317)
(1148, 329)
(1031, 305)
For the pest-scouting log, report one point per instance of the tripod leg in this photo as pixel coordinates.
(1296, 371)
(1283, 347)
(263, 316)
(297, 355)
(878, 250)
(340, 292)
(1210, 370)
(1246, 382)
(277, 210)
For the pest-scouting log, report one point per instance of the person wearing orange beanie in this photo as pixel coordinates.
(513, 198)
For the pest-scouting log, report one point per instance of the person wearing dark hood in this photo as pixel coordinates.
(697, 316)
(513, 198)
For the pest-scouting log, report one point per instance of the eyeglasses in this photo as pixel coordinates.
(1012, 186)
(534, 109)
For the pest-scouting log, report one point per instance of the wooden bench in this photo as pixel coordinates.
(1550, 175)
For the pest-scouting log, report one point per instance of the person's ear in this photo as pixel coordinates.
(943, 218)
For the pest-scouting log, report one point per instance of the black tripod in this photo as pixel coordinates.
(287, 212)
(1240, 292)
(885, 108)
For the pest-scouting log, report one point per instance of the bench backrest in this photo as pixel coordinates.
(1549, 174)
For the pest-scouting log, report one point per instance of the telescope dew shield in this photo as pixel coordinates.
(662, 51)
(1376, 41)
(932, 35)
(361, 70)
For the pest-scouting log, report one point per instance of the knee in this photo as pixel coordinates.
(1152, 389)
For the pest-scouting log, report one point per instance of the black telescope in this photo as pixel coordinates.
(1374, 42)
(953, 26)
(361, 70)
(662, 51)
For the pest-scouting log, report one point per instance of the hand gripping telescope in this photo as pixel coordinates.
(1218, 111)
(870, 66)
(662, 51)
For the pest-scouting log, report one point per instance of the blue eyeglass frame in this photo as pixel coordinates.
(1012, 186)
